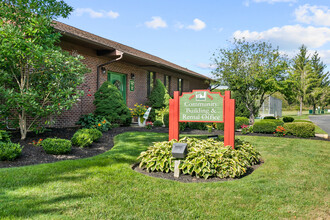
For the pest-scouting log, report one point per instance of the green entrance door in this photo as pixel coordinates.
(119, 80)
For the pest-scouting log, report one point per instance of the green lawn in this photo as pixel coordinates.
(293, 182)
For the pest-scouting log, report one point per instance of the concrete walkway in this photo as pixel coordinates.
(323, 121)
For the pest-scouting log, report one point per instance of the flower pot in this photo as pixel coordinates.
(141, 121)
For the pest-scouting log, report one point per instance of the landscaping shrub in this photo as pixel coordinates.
(85, 137)
(4, 136)
(288, 119)
(9, 151)
(183, 126)
(264, 126)
(300, 129)
(158, 99)
(110, 104)
(56, 146)
(301, 120)
(239, 121)
(166, 119)
(269, 117)
(206, 158)
(94, 121)
(197, 125)
(158, 123)
(276, 121)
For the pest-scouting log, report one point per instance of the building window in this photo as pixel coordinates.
(180, 85)
(167, 82)
(151, 80)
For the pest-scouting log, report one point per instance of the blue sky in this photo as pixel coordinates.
(188, 32)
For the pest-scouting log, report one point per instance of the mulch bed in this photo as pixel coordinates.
(36, 155)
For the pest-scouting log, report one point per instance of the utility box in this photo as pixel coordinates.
(179, 150)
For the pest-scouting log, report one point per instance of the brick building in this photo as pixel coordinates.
(133, 71)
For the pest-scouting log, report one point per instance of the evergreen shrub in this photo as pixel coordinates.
(269, 117)
(239, 121)
(158, 123)
(158, 99)
(109, 103)
(85, 137)
(288, 119)
(9, 151)
(197, 125)
(166, 119)
(264, 126)
(276, 121)
(56, 146)
(300, 129)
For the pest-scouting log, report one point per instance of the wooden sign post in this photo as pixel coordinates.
(203, 106)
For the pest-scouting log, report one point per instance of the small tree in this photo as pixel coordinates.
(252, 70)
(37, 78)
(110, 103)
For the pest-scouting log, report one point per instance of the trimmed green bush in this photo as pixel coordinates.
(4, 136)
(276, 121)
(110, 104)
(206, 158)
(220, 126)
(239, 121)
(300, 129)
(301, 120)
(183, 126)
(197, 125)
(264, 126)
(288, 119)
(158, 123)
(56, 146)
(9, 151)
(166, 119)
(85, 137)
(269, 117)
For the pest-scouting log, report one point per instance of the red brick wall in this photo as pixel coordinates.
(139, 95)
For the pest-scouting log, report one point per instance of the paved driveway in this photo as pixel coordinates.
(323, 121)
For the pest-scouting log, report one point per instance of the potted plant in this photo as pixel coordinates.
(138, 111)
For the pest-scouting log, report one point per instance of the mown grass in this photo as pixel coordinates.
(293, 182)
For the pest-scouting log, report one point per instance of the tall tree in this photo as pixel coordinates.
(252, 69)
(300, 76)
(318, 82)
(37, 78)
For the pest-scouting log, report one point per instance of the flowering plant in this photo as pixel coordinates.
(209, 128)
(148, 124)
(280, 131)
(245, 129)
(139, 110)
(103, 125)
(37, 143)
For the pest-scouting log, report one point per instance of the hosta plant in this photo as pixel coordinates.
(206, 158)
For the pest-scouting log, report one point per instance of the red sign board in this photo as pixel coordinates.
(203, 106)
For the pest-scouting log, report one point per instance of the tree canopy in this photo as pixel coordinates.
(37, 78)
(252, 70)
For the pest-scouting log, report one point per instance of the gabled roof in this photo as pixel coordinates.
(103, 43)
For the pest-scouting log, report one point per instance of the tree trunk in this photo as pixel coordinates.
(314, 109)
(301, 106)
(22, 125)
(251, 118)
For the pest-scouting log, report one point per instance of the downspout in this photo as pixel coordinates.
(104, 64)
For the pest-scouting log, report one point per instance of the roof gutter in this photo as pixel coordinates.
(116, 52)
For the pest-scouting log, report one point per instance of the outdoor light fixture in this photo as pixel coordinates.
(104, 71)
(132, 76)
(179, 150)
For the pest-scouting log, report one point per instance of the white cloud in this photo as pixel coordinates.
(207, 66)
(274, 1)
(96, 14)
(197, 26)
(156, 22)
(289, 36)
(325, 56)
(318, 15)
